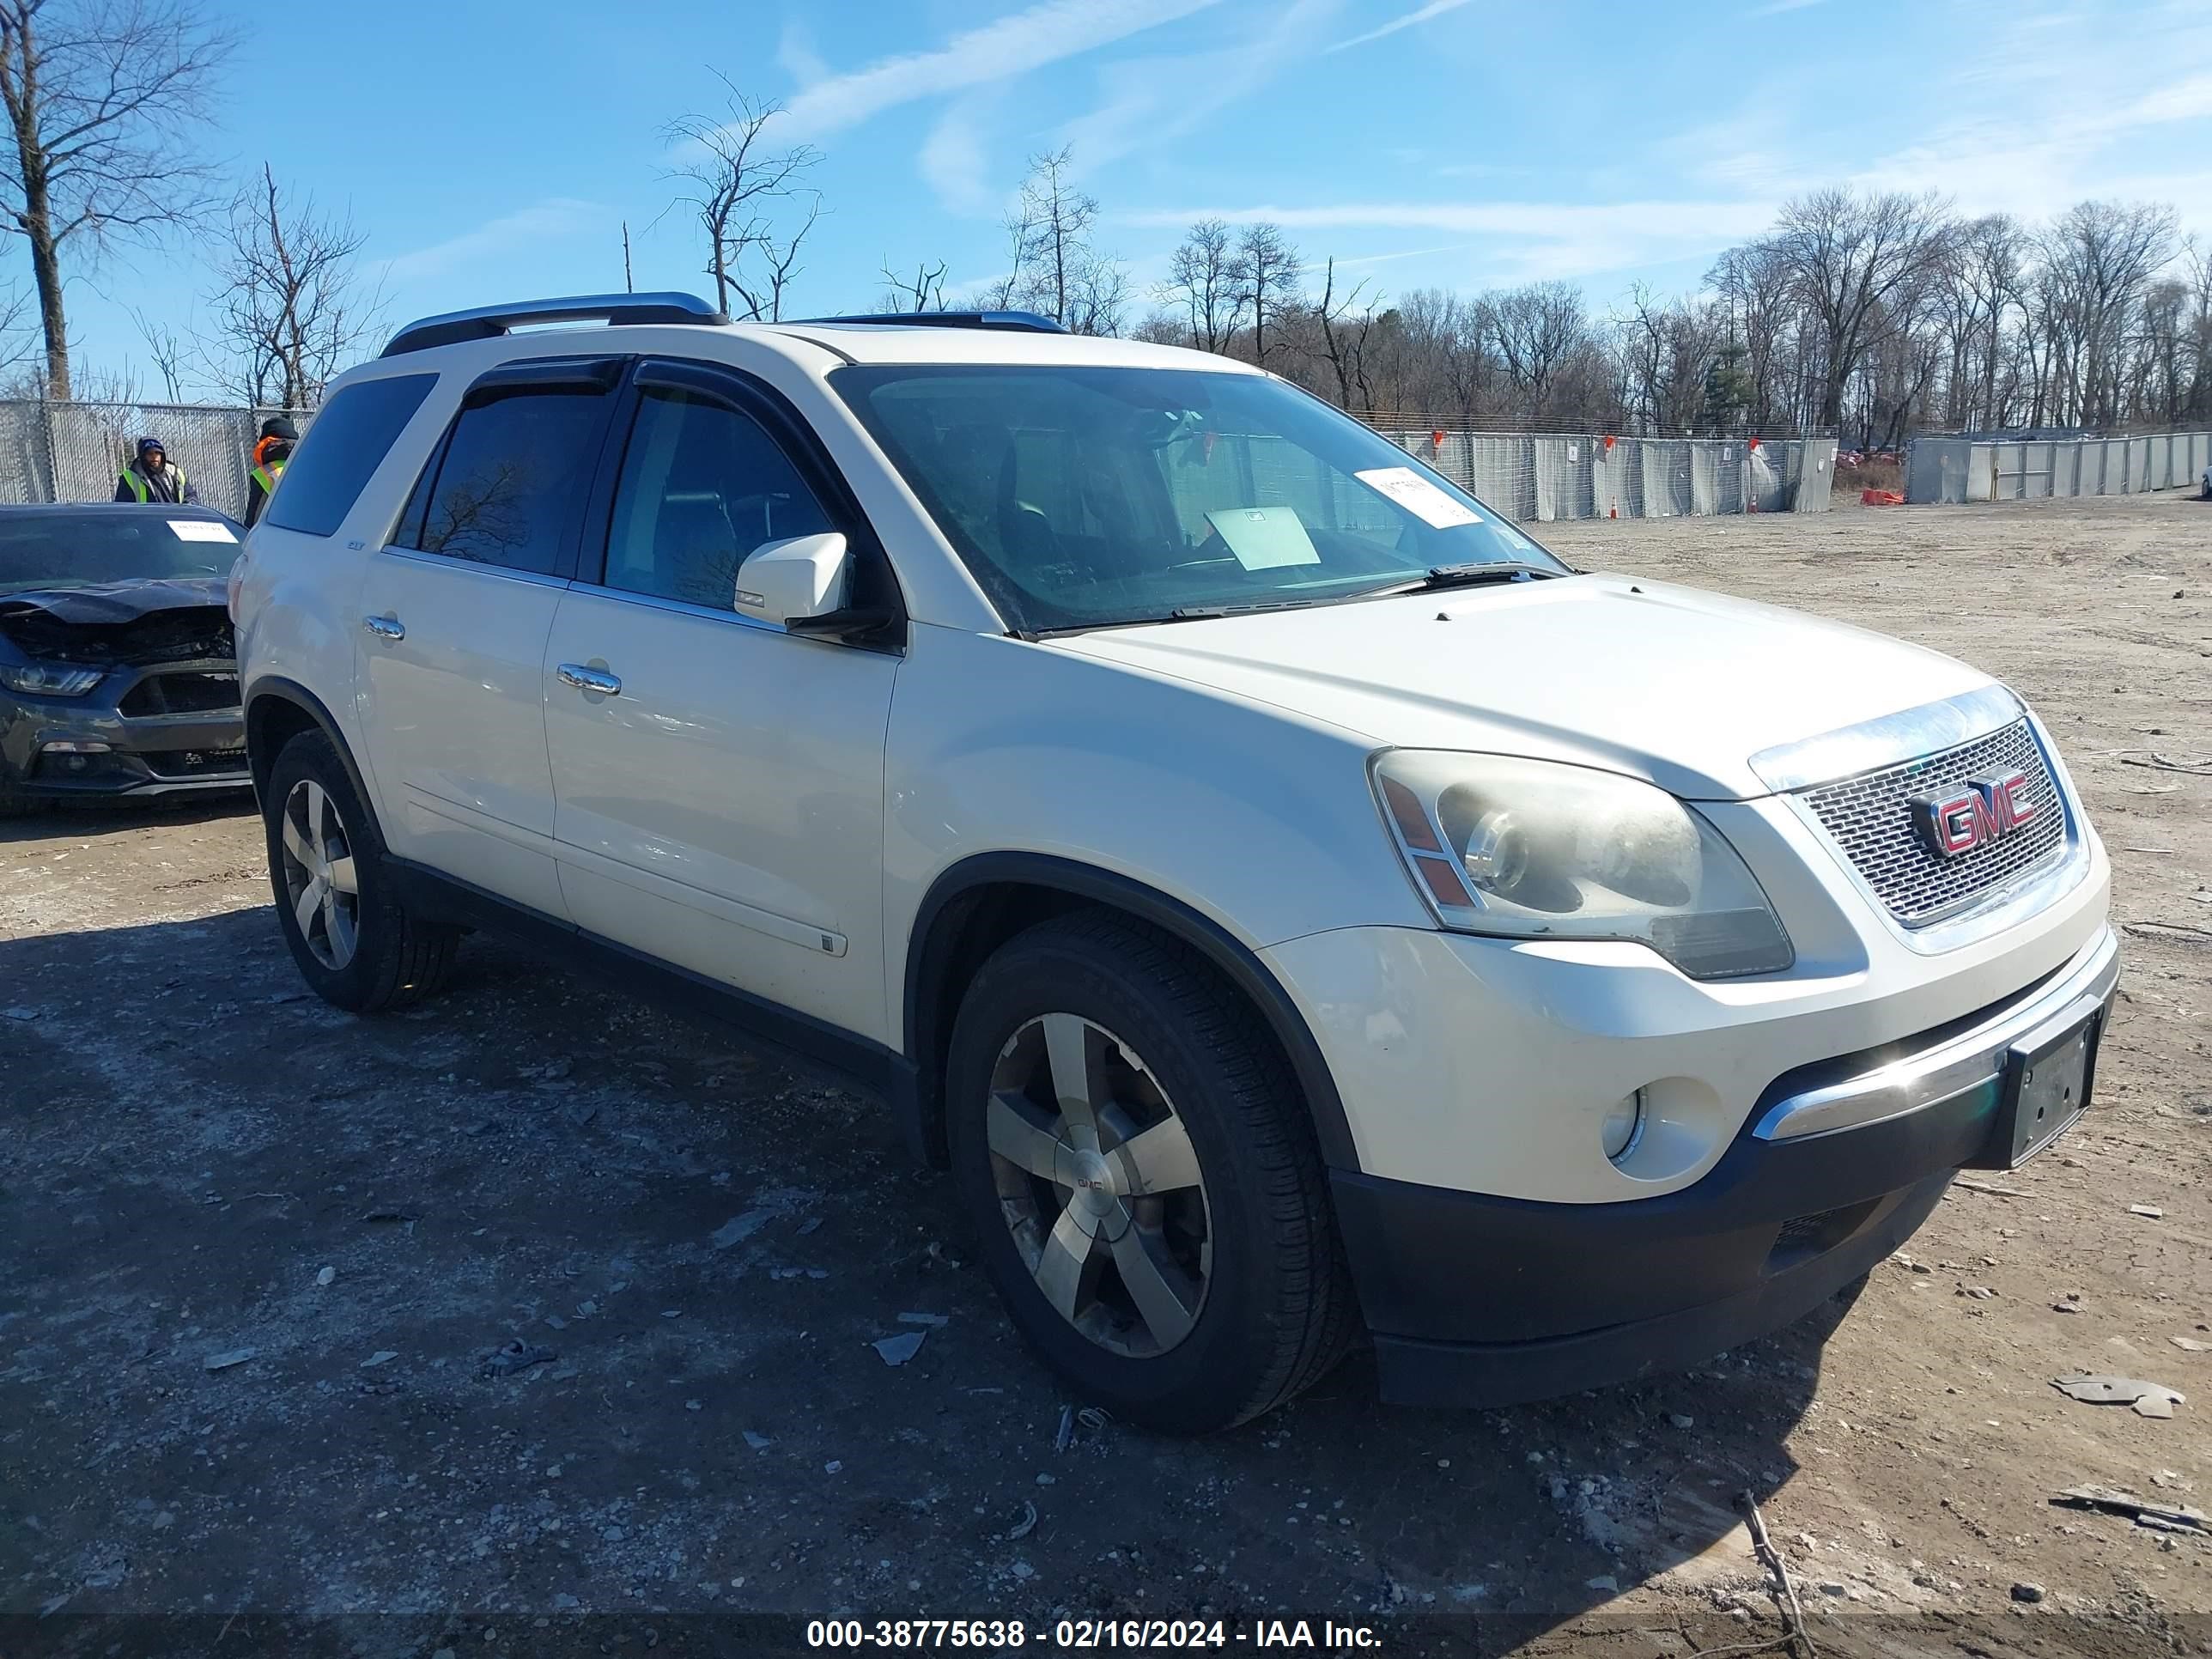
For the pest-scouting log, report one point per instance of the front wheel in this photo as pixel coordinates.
(1136, 1160)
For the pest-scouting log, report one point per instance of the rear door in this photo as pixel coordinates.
(455, 616)
(719, 782)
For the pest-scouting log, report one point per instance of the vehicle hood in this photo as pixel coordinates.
(115, 602)
(166, 620)
(1667, 683)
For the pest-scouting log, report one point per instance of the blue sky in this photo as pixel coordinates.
(493, 151)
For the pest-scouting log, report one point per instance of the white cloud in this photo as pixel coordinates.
(555, 218)
(1434, 9)
(1150, 102)
(954, 162)
(1525, 241)
(997, 50)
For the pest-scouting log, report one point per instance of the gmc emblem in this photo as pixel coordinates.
(1985, 809)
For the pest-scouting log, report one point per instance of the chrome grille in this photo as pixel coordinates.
(1870, 820)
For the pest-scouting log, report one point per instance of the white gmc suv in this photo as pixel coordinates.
(1292, 904)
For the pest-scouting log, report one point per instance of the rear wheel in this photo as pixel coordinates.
(354, 940)
(1136, 1161)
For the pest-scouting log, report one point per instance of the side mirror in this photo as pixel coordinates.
(794, 579)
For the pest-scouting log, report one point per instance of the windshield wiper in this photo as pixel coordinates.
(1472, 574)
(1179, 614)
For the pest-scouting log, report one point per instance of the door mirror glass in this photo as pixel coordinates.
(799, 577)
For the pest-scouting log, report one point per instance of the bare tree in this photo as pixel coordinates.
(1057, 270)
(923, 291)
(170, 350)
(1852, 255)
(1267, 272)
(1343, 338)
(103, 99)
(1537, 330)
(2101, 255)
(291, 309)
(1206, 280)
(741, 189)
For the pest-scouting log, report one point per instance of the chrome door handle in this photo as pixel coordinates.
(589, 679)
(385, 628)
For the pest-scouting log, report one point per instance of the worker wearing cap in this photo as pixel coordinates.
(153, 476)
(271, 454)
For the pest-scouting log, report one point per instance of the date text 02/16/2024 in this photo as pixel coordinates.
(1079, 1635)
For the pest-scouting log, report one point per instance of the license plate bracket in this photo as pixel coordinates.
(2048, 1077)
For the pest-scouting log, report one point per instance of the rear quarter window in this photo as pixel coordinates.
(349, 440)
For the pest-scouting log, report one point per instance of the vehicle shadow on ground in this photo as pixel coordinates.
(262, 1258)
(82, 820)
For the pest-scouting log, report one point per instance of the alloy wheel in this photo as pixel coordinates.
(320, 876)
(1099, 1185)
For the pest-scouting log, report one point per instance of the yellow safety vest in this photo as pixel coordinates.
(130, 477)
(266, 476)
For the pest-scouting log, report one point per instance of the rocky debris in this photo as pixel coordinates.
(224, 1361)
(516, 1357)
(2025, 1591)
(2148, 1398)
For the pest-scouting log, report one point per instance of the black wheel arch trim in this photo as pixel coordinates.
(276, 688)
(919, 1099)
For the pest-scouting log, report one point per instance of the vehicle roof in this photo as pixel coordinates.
(814, 345)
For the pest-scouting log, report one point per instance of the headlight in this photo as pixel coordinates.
(1535, 849)
(49, 680)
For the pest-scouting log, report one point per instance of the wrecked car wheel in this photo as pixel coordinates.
(358, 945)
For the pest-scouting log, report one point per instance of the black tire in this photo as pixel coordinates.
(397, 957)
(1278, 1309)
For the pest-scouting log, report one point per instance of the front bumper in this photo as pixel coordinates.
(133, 756)
(1474, 1299)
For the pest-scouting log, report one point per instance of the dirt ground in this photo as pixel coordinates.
(198, 1160)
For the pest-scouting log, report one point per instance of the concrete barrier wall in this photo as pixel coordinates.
(1974, 469)
(1546, 476)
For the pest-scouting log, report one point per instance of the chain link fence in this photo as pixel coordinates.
(75, 452)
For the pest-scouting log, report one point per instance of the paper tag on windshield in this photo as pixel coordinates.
(1264, 537)
(201, 530)
(1418, 497)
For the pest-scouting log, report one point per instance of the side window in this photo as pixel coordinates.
(510, 486)
(703, 485)
(346, 443)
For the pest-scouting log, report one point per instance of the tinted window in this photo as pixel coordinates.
(511, 486)
(81, 546)
(703, 485)
(346, 443)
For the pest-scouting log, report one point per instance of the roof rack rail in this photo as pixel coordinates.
(1019, 322)
(489, 322)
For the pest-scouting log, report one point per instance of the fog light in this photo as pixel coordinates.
(73, 749)
(1623, 1127)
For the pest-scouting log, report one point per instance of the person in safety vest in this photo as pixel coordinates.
(278, 435)
(154, 478)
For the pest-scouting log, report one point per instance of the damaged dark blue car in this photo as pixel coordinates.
(119, 677)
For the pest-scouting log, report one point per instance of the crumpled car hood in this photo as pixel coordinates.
(1669, 684)
(169, 620)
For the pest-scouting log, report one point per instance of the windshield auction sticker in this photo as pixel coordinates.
(201, 530)
(1418, 497)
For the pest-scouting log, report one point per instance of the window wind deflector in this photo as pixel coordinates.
(569, 374)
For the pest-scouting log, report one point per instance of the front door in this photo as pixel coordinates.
(454, 618)
(719, 782)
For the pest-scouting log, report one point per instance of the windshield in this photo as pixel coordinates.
(83, 547)
(1081, 496)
